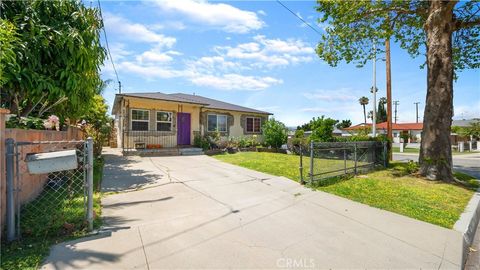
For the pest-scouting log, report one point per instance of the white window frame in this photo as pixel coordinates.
(159, 121)
(253, 124)
(216, 128)
(132, 120)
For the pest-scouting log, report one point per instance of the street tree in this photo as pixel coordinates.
(381, 111)
(447, 33)
(364, 102)
(57, 57)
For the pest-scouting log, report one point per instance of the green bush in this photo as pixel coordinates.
(201, 142)
(275, 133)
(25, 123)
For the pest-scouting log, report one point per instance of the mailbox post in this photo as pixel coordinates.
(90, 183)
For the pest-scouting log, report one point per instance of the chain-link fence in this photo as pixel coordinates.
(49, 189)
(323, 160)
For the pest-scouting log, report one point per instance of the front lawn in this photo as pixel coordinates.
(392, 189)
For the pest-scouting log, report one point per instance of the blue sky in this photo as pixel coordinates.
(255, 54)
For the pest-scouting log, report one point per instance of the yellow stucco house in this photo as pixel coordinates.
(149, 121)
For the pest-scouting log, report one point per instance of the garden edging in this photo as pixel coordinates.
(467, 224)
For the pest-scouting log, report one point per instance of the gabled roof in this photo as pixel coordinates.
(383, 125)
(186, 98)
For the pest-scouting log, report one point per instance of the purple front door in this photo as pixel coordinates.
(183, 128)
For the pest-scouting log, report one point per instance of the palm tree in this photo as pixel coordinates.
(364, 102)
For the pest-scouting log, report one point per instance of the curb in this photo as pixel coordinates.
(467, 224)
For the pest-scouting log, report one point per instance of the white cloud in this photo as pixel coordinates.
(315, 110)
(170, 25)
(223, 16)
(342, 94)
(269, 53)
(234, 82)
(135, 31)
(262, 12)
(467, 112)
(155, 55)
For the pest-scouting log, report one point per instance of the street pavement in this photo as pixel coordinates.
(467, 163)
(195, 212)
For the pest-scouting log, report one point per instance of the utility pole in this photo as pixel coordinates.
(374, 90)
(396, 103)
(389, 93)
(119, 87)
(416, 105)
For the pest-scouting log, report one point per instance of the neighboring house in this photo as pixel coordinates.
(158, 120)
(413, 130)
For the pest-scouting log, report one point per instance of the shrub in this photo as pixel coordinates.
(25, 123)
(275, 133)
(322, 129)
(201, 142)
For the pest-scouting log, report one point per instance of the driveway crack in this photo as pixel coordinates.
(143, 248)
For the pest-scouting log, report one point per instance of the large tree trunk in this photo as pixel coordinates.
(436, 152)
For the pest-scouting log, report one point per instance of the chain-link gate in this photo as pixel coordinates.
(323, 160)
(55, 197)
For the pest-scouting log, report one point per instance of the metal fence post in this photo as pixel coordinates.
(311, 162)
(355, 157)
(90, 183)
(302, 182)
(9, 162)
(345, 160)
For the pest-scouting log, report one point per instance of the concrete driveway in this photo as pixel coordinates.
(198, 212)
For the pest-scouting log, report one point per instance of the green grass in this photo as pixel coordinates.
(43, 225)
(392, 189)
(281, 164)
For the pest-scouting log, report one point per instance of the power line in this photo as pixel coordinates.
(108, 49)
(300, 18)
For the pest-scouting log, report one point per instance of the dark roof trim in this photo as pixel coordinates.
(164, 99)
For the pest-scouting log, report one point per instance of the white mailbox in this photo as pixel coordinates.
(52, 162)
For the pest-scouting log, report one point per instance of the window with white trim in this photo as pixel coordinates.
(253, 124)
(164, 121)
(217, 122)
(140, 120)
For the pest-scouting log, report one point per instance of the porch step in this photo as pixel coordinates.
(191, 151)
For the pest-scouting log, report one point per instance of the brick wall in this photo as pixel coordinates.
(31, 185)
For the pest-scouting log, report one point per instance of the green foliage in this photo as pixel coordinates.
(275, 133)
(98, 124)
(472, 130)
(355, 25)
(25, 123)
(381, 111)
(364, 102)
(322, 129)
(58, 56)
(344, 124)
(8, 41)
(299, 138)
(201, 142)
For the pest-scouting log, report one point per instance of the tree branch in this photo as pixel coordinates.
(466, 24)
